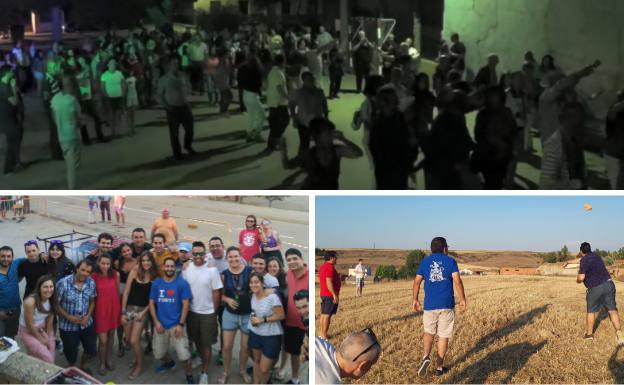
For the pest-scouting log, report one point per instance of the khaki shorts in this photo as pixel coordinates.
(440, 322)
(162, 341)
(202, 329)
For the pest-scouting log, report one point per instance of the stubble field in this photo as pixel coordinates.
(517, 329)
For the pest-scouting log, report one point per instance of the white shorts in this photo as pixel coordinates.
(440, 322)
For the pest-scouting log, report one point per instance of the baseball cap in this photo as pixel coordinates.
(185, 246)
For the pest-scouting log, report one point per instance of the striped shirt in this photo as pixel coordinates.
(75, 301)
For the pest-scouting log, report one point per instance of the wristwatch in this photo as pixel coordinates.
(265, 319)
(181, 324)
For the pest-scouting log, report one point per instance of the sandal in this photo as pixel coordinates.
(246, 377)
(223, 378)
(134, 375)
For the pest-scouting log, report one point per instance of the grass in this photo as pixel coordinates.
(517, 329)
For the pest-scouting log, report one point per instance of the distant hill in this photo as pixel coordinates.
(486, 259)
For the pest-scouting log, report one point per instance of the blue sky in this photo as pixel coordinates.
(531, 223)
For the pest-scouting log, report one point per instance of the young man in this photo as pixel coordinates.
(173, 92)
(277, 101)
(354, 358)
(138, 244)
(206, 285)
(302, 303)
(600, 292)
(8, 102)
(169, 307)
(160, 251)
(105, 246)
(294, 330)
(360, 274)
(76, 300)
(10, 301)
(33, 267)
(259, 266)
(67, 116)
(216, 257)
(307, 103)
(167, 226)
(330, 291)
(440, 273)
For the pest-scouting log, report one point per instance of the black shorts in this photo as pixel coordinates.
(328, 306)
(115, 104)
(293, 339)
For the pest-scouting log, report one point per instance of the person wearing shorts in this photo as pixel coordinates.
(119, 205)
(330, 291)
(114, 89)
(360, 274)
(265, 328)
(169, 306)
(440, 273)
(600, 292)
(206, 285)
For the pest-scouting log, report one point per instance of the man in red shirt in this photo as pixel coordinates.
(330, 289)
(249, 239)
(294, 331)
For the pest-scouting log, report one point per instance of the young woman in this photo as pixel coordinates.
(107, 309)
(36, 327)
(59, 266)
(135, 311)
(236, 313)
(249, 238)
(270, 243)
(265, 328)
(125, 265)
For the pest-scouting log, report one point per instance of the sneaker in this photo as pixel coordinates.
(588, 337)
(166, 367)
(203, 379)
(441, 371)
(424, 365)
(190, 380)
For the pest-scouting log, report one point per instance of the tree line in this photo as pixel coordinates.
(563, 255)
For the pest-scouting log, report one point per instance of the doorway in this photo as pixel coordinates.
(431, 14)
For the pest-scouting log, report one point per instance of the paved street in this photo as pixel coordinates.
(68, 213)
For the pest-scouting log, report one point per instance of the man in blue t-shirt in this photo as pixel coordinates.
(170, 297)
(600, 291)
(10, 301)
(440, 272)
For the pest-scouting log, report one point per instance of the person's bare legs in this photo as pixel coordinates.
(206, 353)
(134, 333)
(427, 344)
(109, 349)
(243, 355)
(257, 355)
(295, 364)
(228, 344)
(324, 325)
(591, 319)
(102, 351)
(442, 348)
(615, 319)
(265, 369)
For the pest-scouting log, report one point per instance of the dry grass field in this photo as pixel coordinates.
(517, 329)
(348, 258)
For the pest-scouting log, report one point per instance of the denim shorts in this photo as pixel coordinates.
(233, 322)
(270, 346)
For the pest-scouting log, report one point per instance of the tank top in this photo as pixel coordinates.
(270, 241)
(38, 317)
(139, 293)
(237, 286)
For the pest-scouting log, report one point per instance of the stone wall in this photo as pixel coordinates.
(575, 32)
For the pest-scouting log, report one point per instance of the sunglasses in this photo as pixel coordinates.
(31, 242)
(375, 343)
(56, 242)
(198, 254)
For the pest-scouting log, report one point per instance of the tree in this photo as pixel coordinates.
(564, 254)
(386, 271)
(412, 262)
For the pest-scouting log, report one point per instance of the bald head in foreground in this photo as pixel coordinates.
(355, 356)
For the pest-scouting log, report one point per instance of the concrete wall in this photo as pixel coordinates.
(575, 32)
(518, 271)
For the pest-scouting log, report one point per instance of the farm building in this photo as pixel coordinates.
(519, 271)
(558, 268)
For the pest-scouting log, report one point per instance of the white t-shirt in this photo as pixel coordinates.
(203, 280)
(221, 264)
(276, 79)
(264, 308)
(270, 281)
(327, 371)
(38, 317)
(113, 83)
(360, 271)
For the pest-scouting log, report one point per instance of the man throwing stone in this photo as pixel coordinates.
(440, 273)
(600, 291)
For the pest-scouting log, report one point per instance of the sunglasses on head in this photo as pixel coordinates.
(375, 343)
(31, 242)
(56, 242)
